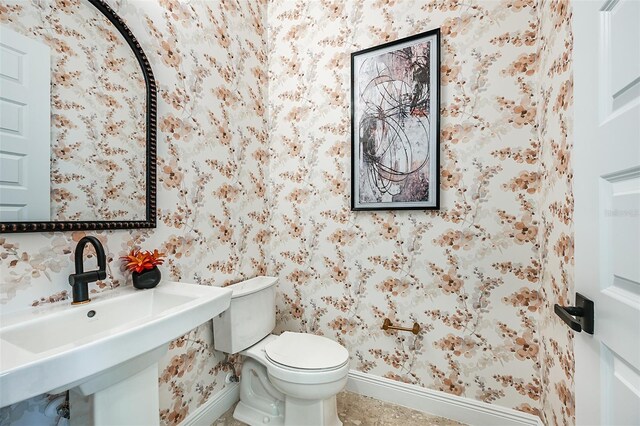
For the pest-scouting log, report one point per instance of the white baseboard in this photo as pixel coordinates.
(215, 407)
(465, 410)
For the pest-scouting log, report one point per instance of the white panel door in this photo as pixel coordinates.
(25, 145)
(607, 208)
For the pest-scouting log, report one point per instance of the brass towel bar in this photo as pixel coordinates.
(387, 326)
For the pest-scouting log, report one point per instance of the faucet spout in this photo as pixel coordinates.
(79, 281)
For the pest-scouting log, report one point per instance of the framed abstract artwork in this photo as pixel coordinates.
(395, 125)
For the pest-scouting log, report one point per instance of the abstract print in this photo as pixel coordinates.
(395, 124)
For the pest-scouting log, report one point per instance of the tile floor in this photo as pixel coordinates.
(358, 410)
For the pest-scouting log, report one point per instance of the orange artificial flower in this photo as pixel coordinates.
(138, 261)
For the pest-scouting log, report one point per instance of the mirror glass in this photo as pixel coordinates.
(73, 116)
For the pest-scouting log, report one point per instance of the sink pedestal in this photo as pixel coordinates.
(132, 401)
(124, 395)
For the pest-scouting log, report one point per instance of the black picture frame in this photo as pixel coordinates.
(368, 127)
(151, 135)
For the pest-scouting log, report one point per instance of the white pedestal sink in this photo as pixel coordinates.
(106, 351)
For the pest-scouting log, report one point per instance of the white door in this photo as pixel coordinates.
(25, 145)
(607, 208)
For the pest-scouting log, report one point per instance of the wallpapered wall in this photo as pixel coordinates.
(97, 110)
(469, 274)
(209, 58)
(243, 192)
(555, 205)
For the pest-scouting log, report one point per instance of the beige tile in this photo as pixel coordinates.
(358, 410)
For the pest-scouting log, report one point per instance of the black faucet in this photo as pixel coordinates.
(80, 279)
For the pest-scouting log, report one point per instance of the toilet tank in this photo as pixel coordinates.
(250, 317)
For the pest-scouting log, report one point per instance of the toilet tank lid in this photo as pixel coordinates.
(244, 288)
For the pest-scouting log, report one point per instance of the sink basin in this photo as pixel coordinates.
(98, 344)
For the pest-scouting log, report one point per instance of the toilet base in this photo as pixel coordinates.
(300, 411)
(254, 417)
(260, 403)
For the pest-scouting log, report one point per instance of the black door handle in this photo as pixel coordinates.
(567, 313)
(579, 317)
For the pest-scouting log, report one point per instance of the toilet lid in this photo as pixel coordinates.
(306, 351)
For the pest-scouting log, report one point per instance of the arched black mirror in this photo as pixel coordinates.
(78, 126)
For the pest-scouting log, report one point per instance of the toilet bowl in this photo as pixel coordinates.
(291, 379)
(291, 394)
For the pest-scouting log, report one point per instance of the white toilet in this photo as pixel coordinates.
(291, 379)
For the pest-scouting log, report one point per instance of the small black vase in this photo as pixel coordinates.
(146, 279)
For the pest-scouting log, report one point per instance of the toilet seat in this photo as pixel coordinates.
(306, 351)
(307, 377)
(306, 358)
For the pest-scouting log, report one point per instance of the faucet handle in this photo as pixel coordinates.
(87, 277)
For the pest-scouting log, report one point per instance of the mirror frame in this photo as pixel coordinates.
(151, 110)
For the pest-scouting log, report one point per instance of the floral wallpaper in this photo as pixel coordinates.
(97, 110)
(254, 175)
(209, 59)
(555, 236)
(470, 274)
